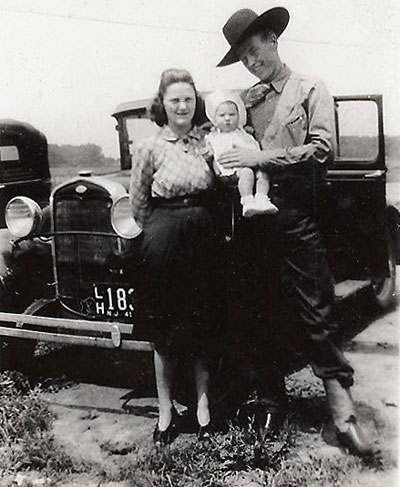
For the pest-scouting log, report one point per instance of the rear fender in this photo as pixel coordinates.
(393, 226)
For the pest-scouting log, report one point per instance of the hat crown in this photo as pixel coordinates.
(245, 22)
(237, 24)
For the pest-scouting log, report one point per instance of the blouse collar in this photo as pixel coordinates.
(170, 135)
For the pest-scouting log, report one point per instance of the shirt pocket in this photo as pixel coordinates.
(296, 126)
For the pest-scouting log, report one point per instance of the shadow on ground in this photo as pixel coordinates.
(134, 370)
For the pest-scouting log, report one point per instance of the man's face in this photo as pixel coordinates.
(260, 56)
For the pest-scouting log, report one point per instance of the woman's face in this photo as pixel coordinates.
(180, 105)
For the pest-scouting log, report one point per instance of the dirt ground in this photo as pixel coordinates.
(97, 423)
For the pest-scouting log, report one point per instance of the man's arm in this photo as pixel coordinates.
(320, 146)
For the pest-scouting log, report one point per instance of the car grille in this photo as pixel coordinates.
(83, 243)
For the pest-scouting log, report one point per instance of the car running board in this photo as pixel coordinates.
(346, 288)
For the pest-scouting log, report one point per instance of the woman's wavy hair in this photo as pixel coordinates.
(169, 77)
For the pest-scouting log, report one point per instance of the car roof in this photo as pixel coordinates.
(138, 106)
(17, 130)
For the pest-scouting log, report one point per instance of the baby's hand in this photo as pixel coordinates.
(249, 129)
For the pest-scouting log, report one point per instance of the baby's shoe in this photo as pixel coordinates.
(248, 206)
(264, 205)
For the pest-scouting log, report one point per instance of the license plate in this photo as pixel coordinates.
(114, 301)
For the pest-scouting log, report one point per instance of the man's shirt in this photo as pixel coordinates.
(295, 121)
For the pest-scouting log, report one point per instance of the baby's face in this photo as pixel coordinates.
(227, 116)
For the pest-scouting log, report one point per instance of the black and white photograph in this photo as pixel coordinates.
(199, 242)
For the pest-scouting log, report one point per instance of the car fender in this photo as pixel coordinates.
(393, 214)
(5, 249)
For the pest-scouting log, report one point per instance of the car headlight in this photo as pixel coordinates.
(122, 220)
(23, 216)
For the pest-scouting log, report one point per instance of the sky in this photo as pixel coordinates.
(66, 65)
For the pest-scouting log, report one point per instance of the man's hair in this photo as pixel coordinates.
(267, 35)
(169, 77)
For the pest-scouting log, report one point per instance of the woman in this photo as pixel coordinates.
(170, 190)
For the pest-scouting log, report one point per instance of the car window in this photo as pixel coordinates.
(9, 153)
(357, 126)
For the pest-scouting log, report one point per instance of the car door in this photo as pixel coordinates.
(353, 206)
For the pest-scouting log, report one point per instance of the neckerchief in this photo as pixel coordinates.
(256, 94)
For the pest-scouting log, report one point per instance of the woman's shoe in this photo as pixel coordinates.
(166, 437)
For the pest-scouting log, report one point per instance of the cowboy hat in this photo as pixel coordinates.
(245, 22)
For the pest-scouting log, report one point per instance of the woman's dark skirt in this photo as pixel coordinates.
(180, 250)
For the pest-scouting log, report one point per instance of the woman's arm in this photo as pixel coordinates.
(140, 183)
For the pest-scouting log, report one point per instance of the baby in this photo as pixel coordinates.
(227, 113)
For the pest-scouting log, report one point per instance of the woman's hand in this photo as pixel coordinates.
(241, 158)
(207, 152)
(216, 168)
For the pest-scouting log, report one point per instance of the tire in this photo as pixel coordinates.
(384, 290)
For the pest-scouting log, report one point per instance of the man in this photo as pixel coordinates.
(293, 119)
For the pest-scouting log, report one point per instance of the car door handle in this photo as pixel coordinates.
(374, 175)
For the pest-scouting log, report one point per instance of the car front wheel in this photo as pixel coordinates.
(17, 354)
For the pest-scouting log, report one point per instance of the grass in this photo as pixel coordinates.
(26, 442)
(237, 459)
(213, 463)
(295, 458)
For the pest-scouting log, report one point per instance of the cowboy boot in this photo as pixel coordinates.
(341, 406)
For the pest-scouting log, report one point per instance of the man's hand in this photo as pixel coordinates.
(241, 158)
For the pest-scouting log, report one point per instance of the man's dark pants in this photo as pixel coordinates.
(285, 295)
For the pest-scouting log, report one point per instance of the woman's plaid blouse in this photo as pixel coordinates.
(167, 166)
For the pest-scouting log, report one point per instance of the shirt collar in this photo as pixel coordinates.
(280, 79)
(171, 136)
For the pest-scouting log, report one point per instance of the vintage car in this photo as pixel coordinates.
(24, 164)
(74, 273)
(24, 171)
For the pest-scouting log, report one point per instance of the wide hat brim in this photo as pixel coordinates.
(275, 19)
